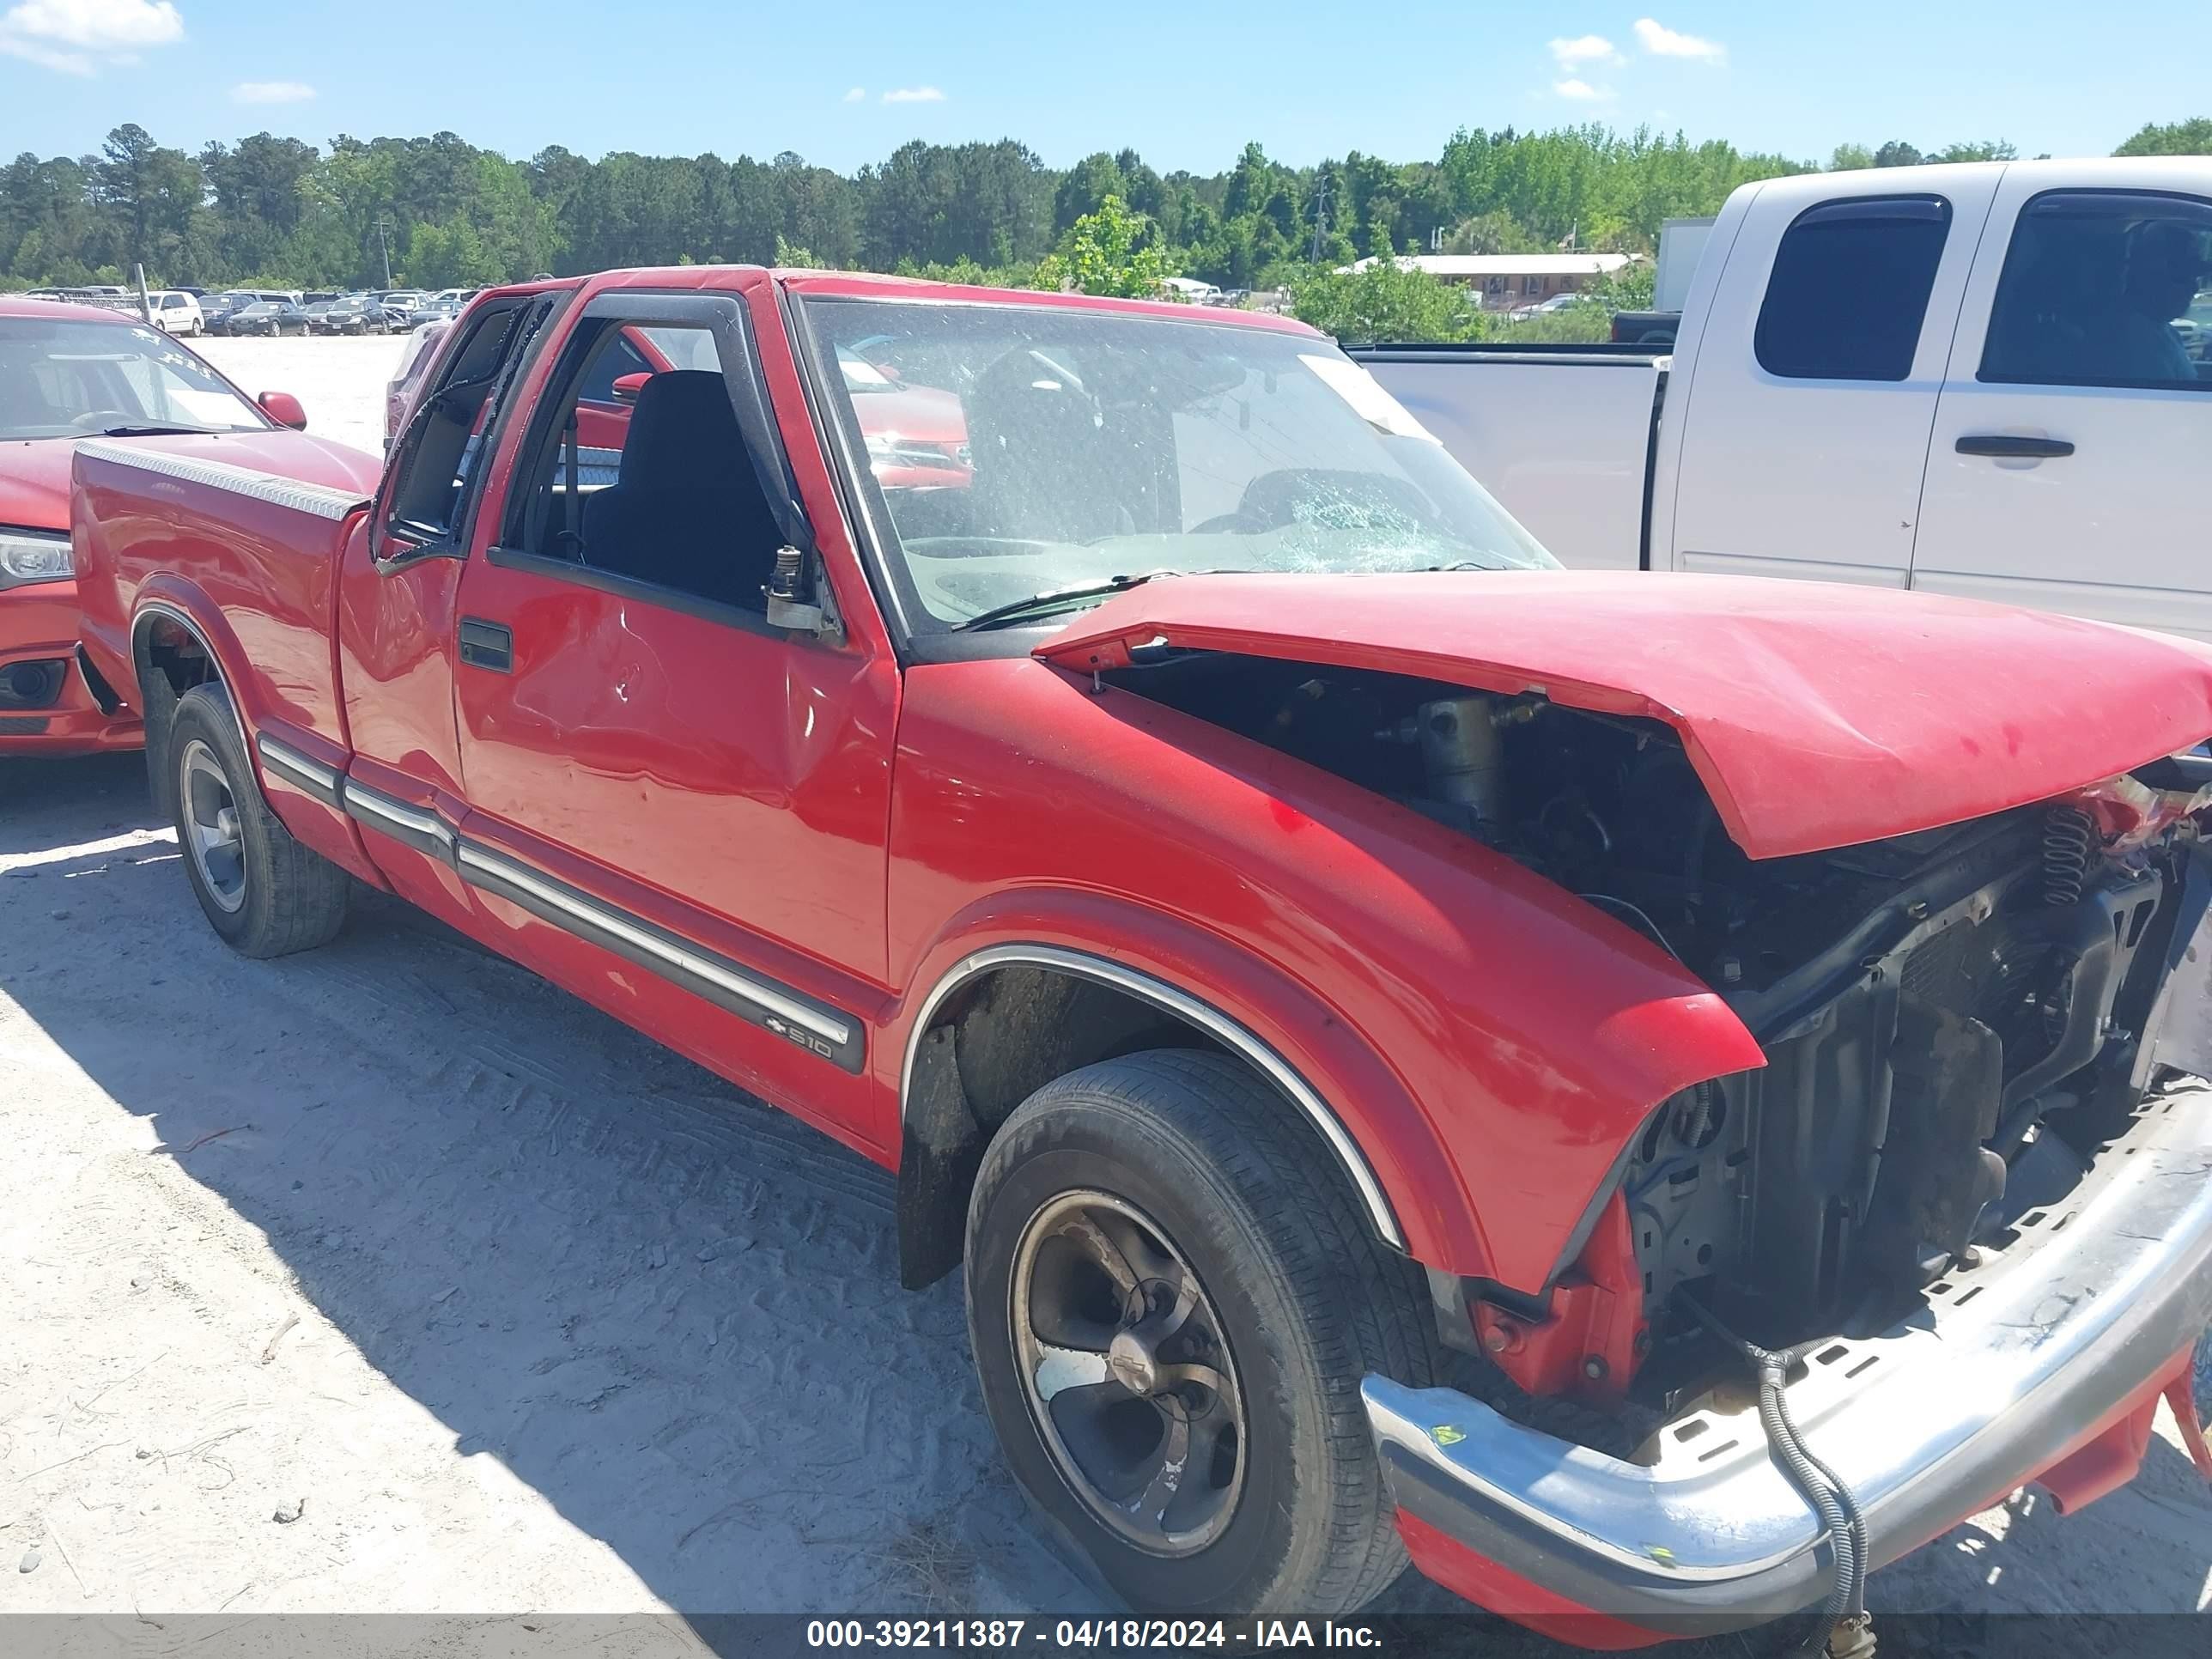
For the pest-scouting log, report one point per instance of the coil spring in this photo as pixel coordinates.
(2068, 838)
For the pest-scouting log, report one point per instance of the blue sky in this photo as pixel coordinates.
(845, 83)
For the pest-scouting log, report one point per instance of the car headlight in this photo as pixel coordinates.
(33, 555)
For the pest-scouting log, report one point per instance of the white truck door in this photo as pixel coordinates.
(1804, 422)
(2071, 441)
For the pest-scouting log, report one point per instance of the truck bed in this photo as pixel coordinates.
(146, 513)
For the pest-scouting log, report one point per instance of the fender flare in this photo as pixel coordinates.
(1330, 1071)
(160, 607)
(1193, 1011)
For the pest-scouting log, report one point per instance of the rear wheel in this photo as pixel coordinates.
(262, 891)
(1172, 1297)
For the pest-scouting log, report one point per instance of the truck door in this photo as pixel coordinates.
(1805, 418)
(398, 577)
(680, 809)
(2071, 444)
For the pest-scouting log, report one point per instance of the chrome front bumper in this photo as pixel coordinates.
(1989, 1383)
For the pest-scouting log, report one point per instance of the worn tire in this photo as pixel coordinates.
(292, 899)
(1309, 1302)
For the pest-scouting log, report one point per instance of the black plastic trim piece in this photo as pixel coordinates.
(1651, 470)
(487, 645)
(96, 682)
(2005, 448)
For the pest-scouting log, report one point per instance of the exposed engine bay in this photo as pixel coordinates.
(1954, 1019)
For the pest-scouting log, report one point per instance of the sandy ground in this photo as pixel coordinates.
(389, 1278)
(340, 381)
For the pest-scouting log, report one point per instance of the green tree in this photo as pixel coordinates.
(1084, 189)
(155, 214)
(2174, 138)
(1384, 300)
(1494, 231)
(1107, 252)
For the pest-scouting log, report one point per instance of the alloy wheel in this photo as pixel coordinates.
(1127, 1374)
(212, 837)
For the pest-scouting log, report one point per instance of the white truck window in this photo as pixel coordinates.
(2105, 288)
(1850, 288)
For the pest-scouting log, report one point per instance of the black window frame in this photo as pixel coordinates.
(729, 318)
(1901, 207)
(397, 542)
(2090, 194)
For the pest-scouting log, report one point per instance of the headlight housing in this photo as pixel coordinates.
(33, 556)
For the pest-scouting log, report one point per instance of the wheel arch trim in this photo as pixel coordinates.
(1191, 1011)
(151, 611)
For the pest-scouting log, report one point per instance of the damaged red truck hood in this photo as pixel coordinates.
(1818, 714)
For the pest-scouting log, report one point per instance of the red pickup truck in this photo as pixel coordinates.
(1650, 1095)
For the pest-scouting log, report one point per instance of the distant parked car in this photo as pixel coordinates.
(414, 362)
(1190, 291)
(175, 312)
(2195, 328)
(270, 316)
(1545, 308)
(356, 313)
(216, 309)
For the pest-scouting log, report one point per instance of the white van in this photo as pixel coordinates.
(177, 312)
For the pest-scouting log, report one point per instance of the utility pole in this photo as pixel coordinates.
(1321, 221)
(383, 224)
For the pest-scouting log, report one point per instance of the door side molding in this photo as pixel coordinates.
(826, 1033)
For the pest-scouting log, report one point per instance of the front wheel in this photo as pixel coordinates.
(1173, 1296)
(263, 892)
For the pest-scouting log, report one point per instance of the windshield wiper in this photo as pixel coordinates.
(1017, 609)
(152, 431)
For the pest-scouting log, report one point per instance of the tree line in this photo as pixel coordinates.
(441, 212)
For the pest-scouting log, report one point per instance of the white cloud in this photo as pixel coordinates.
(914, 95)
(854, 95)
(1585, 49)
(1663, 42)
(72, 36)
(64, 63)
(1581, 92)
(271, 92)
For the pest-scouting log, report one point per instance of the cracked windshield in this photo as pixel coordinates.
(1032, 461)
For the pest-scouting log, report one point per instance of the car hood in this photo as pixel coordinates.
(34, 482)
(34, 475)
(924, 414)
(1818, 714)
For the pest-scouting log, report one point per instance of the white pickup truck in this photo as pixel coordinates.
(1993, 380)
